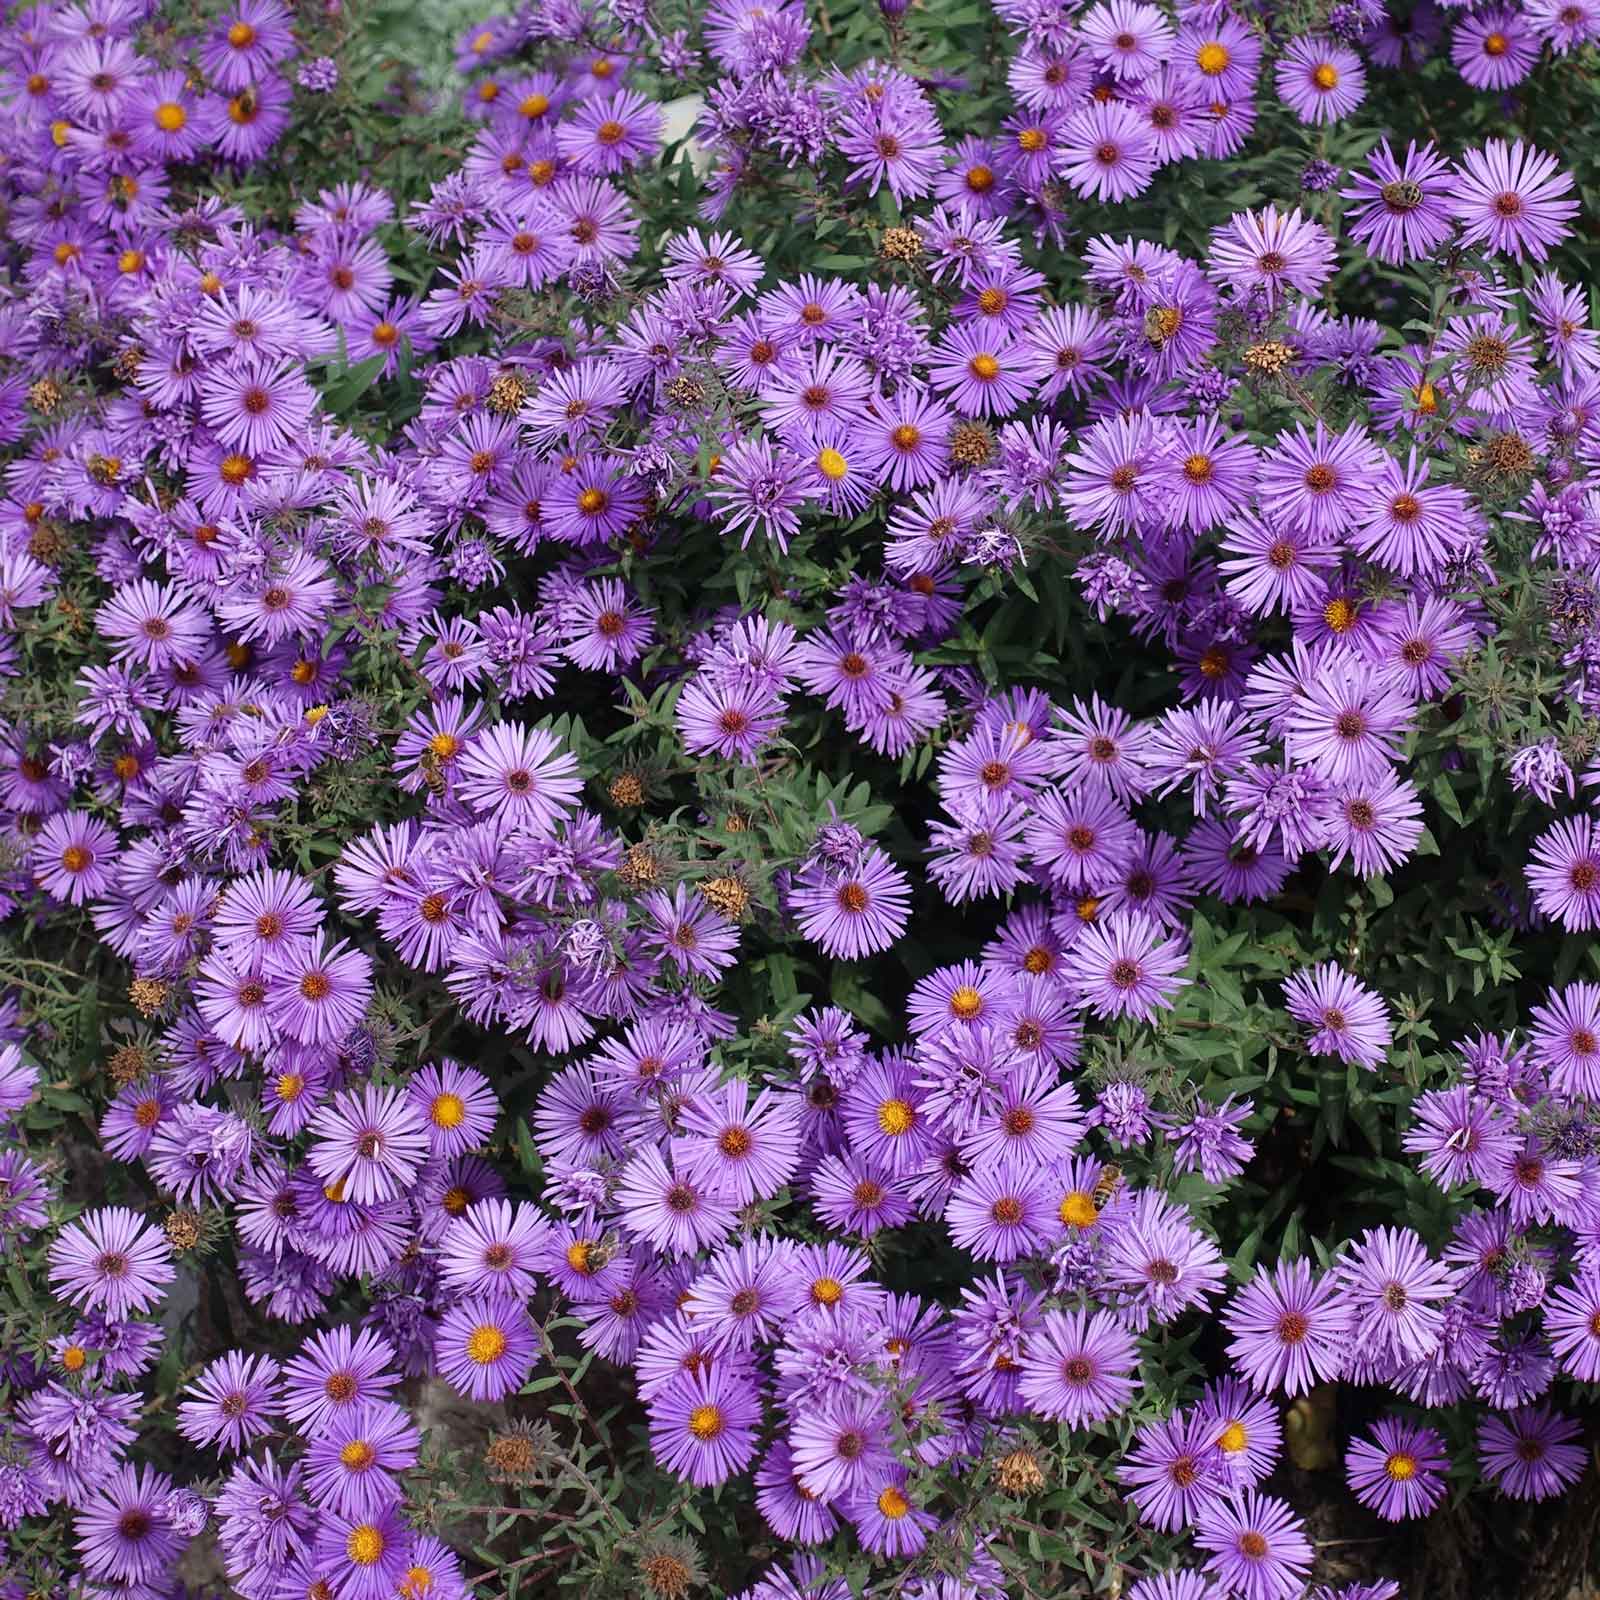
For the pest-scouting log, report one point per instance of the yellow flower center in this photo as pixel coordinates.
(170, 116)
(448, 1110)
(1078, 1210)
(365, 1545)
(1325, 75)
(895, 1117)
(241, 35)
(1213, 59)
(1233, 1438)
(966, 1003)
(357, 1455)
(1401, 1467)
(893, 1504)
(705, 1422)
(832, 465)
(486, 1345)
(1340, 615)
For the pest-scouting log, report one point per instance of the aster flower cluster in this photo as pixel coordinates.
(778, 789)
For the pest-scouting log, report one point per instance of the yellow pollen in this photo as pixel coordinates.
(1400, 1466)
(705, 1422)
(1213, 59)
(448, 1110)
(357, 1455)
(169, 116)
(893, 1504)
(241, 36)
(827, 1291)
(985, 367)
(1325, 75)
(1340, 615)
(1078, 1210)
(74, 1357)
(365, 1545)
(965, 1002)
(1233, 1438)
(486, 1345)
(832, 465)
(578, 1256)
(895, 1117)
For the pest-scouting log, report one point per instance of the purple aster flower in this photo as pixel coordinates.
(1107, 150)
(369, 1554)
(1460, 1136)
(703, 1424)
(371, 1144)
(124, 1534)
(1348, 1019)
(667, 1209)
(337, 1369)
(1265, 252)
(1172, 1471)
(1078, 1367)
(1572, 1325)
(1565, 1036)
(1126, 968)
(1399, 1472)
(1531, 1453)
(109, 1261)
(234, 1402)
(1208, 1139)
(72, 857)
(1004, 1209)
(1513, 199)
(1494, 49)
(1290, 1329)
(1258, 1547)
(1320, 81)
(1400, 205)
(1392, 1290)
(484, 1347)
(352, 1460)
(853, 914)
(1564, 874)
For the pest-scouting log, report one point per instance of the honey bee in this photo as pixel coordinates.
(1106, 1185)
(433, 773)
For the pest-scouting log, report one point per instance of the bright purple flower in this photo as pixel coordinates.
(1258, 1547)
(703, 1424)
(1399, 1472)
(1348, 1019)
(1512, 198)
(484, 1347)
(109, 1261)
(1531, 1453)
(1078, 1367)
